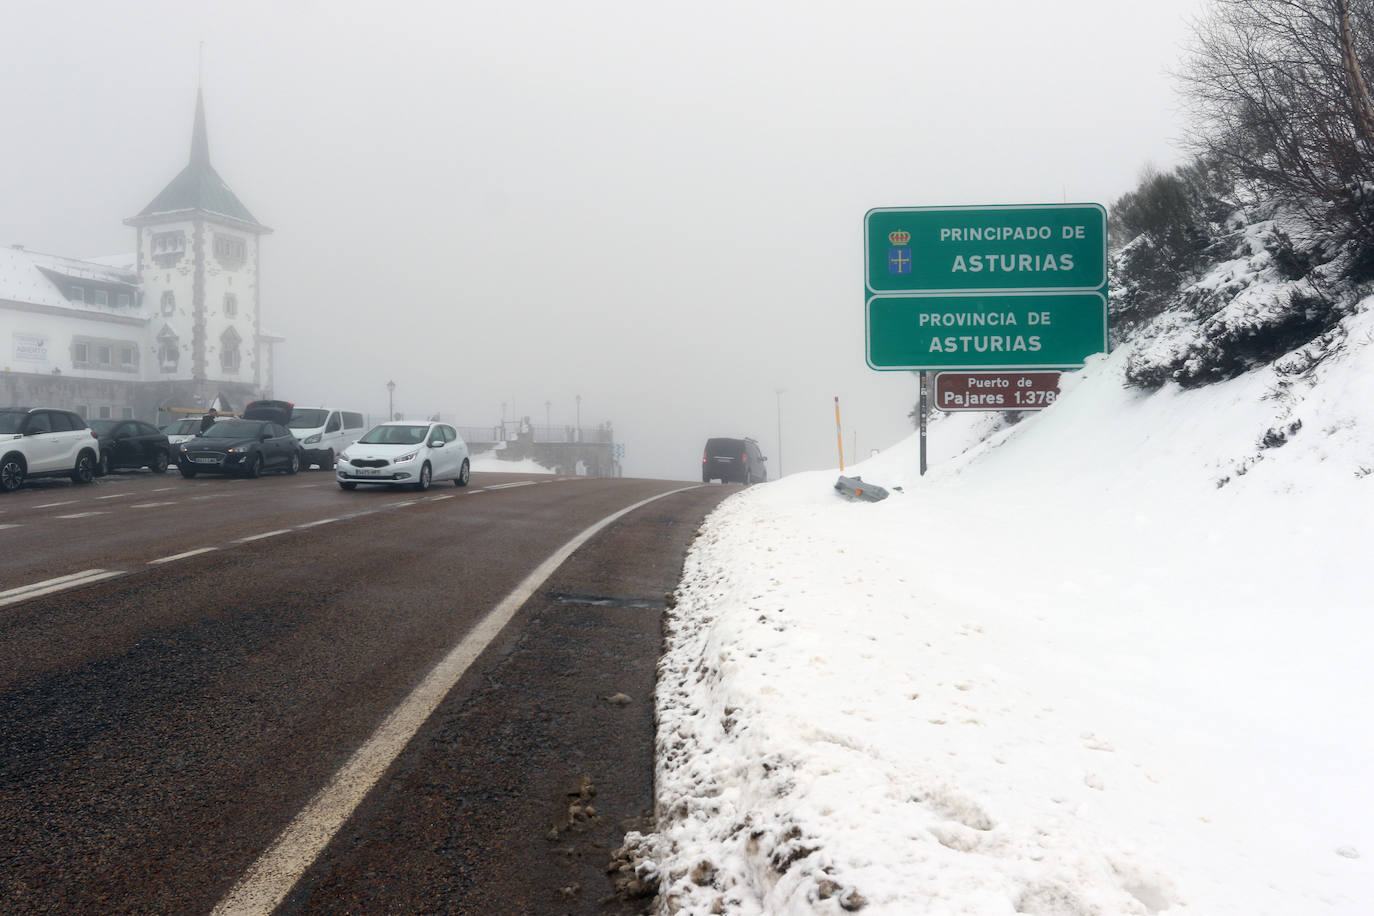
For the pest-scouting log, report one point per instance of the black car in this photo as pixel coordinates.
(234, 446)
(733, 461)
(131, 444)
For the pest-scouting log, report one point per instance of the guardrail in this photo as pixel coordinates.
(513, 431)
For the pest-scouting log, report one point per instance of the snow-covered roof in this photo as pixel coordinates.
(127, 260)
(22, 281)
(33, 278)
(78, 269)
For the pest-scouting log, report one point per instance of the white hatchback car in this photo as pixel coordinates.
(405, 452)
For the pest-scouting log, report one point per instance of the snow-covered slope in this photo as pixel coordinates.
(1113, 659)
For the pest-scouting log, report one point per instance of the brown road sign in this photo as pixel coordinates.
(1010, 390)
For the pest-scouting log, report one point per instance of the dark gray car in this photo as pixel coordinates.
(246, 447)
(733, 461)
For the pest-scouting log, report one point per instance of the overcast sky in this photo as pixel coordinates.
(656, 206)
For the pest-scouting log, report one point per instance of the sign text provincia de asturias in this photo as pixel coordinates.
(985, 287)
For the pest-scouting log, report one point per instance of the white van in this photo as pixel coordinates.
(325, 431)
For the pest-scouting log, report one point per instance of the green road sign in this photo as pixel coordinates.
(998, 249)
(977, 331)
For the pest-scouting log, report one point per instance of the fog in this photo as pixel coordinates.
(654, 207)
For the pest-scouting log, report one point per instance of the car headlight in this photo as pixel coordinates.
(239, 449)
(408, 456)
(313, 439)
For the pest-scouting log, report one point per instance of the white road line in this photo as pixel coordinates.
(151, 505)
(181, 556)
(211, 496)
(67, 502)
(8, 526)
(478, 490)
(163, 489)
(323, 521)
(271, 877)
(52, 586)
(115, 496)
(83, 514)
(435, 499)
(259, 537)
(507, 486)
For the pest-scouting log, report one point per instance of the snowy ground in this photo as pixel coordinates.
(1066, 672)
(489, 463)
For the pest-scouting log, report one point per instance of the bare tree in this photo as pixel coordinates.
(1279, 101)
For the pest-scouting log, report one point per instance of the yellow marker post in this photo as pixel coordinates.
(839, 439)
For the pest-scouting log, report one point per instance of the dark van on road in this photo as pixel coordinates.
(733, 461)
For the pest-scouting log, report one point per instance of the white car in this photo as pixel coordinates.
(180, 431)
(45, 442)
(405, 452)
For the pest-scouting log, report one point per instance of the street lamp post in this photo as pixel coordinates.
(548, 420)
(779, 392)
(390, 401)
(577, 437)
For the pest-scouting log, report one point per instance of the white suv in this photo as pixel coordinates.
(45, 442)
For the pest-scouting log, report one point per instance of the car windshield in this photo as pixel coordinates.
(395, 435)
(188, 427)
(9, 422)
(233, 429)
(104, 427)
(308, 418)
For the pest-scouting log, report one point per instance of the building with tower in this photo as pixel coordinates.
(175, 326)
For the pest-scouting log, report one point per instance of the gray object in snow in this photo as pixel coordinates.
(855, 488)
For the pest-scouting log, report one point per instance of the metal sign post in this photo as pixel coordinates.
(925, 411)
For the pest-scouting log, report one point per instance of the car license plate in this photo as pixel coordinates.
(207, 461)
(369, 472)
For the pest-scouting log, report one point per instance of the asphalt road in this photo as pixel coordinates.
(186, 664)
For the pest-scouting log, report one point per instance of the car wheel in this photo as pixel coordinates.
(347, 485)
(103, 467)
(295, 464)
(425, 474)
(464, 475)
(254, 467)
(84, 472)
(160, 462)
(11, 474)
(328, 463)
(186, 472)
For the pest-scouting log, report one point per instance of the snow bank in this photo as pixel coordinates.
(1114, 659)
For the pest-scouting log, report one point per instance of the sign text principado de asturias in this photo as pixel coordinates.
(985, 287)
(1046, 248)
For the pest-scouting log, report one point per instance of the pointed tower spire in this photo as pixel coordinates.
(200, 144)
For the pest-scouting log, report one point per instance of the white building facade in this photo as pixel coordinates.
(174, 327)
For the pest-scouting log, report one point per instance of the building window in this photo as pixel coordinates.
(168, 349)
(230, 250)
(126, 357)
(231, 305)
(167, 248)
(101, 297)
(169, 302)
(105, 412)
(78, 294)
(229, 350)
(126, 413)
(80, 353)
(102, 355)
(83, 411)
(123, 300)
(168, 242)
